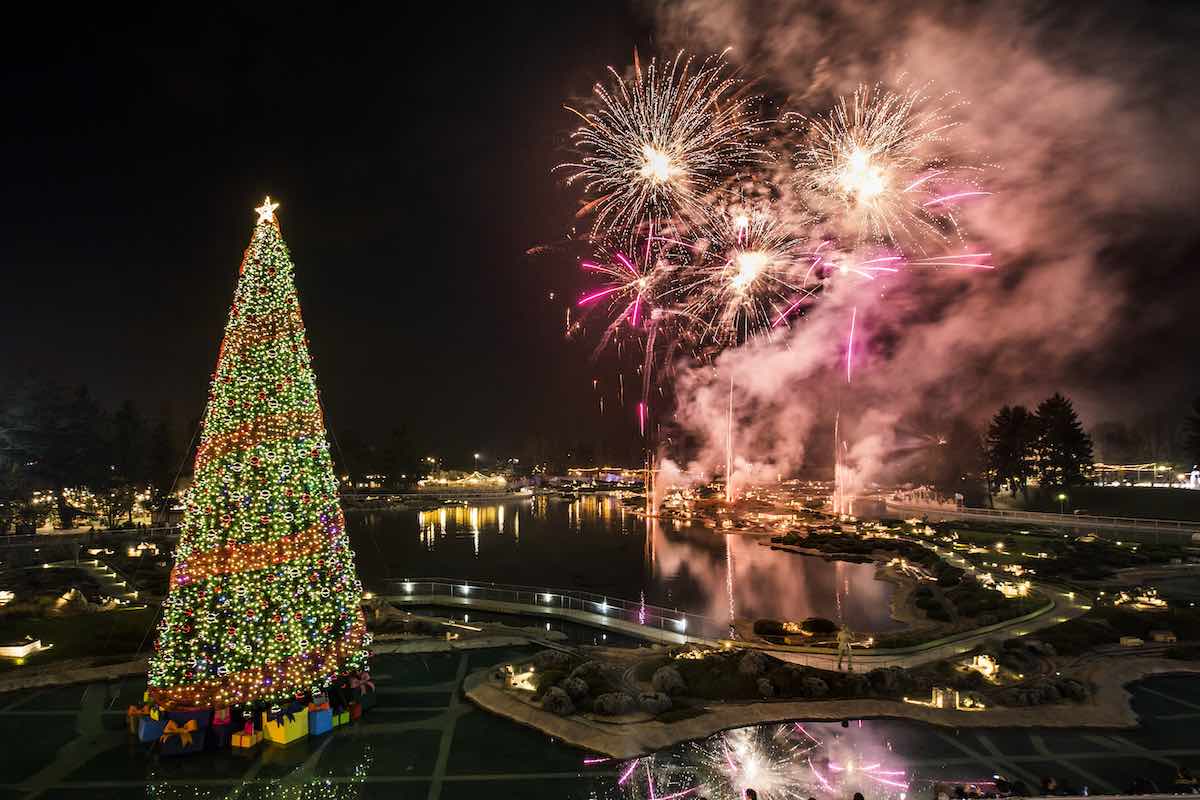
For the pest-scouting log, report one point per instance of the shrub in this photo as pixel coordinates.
(544, 681)
(557, 702)
(574, 687)
(819, 626)
(753, 663)
(766, 689)
(1184, 652)
(554, 659)
(768, 627)
(646, 668)
(888, 681)
(668, 681)
(813, 687)
(613, 704)
(654, 702)
(938, 612)
(787, 679)
(601, 678)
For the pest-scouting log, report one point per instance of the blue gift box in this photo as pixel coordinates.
(185, 731)
(180, 739)
(320, 720)
(150, 729)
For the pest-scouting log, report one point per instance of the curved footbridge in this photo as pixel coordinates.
(671, 626)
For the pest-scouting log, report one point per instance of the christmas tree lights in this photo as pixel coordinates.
(263, 600)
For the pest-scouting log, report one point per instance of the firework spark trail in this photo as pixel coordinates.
(872, 153)
(850, 346)
(656, 144)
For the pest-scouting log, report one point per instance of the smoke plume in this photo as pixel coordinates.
(1090, 132)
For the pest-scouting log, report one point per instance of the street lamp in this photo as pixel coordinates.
(1062, 498)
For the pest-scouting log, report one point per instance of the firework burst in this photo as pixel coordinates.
(743, 273)
(630, 285)
(656, 144)
(875, 153)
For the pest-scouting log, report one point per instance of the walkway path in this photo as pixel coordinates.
(1061, 607)
(1156, 529)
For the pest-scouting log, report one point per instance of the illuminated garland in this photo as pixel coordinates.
(263, 602)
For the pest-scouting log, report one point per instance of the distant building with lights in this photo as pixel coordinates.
(457, 480)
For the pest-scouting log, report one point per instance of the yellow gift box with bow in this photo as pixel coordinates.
(287, 725)
(243, 739)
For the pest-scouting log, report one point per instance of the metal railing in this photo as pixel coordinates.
(635, 617)
(81, 536)
(693, 626)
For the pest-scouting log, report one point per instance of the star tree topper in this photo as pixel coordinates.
(266, 212)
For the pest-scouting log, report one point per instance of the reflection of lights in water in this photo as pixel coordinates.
(780, 762)
(296, 786)
(729, 583)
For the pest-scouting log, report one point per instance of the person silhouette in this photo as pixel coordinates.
(844, 641)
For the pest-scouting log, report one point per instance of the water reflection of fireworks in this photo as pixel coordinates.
(780, 762)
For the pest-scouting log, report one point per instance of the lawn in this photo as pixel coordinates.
(117, 634)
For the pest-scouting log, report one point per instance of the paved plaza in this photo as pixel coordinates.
(424, 742)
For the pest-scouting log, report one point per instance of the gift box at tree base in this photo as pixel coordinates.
(262, 612)
(185, 732)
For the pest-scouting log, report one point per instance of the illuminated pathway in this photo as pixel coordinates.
(669, 626)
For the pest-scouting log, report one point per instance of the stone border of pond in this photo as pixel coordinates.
(1109, 707)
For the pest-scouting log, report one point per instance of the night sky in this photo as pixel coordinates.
(411, 152)
(412, 156)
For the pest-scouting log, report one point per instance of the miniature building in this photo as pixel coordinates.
(1167, 637)
(18, 650)
(1131, 641)
(944, 697)
(984, 664)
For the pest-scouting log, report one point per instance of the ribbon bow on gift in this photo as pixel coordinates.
(184, 732)
(362, 681)
(315, 707)
(135, 711)
(278, 716)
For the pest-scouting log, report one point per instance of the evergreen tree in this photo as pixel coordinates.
(263, 601)
(1191, 432)
(1064, 449)
(1010, 441)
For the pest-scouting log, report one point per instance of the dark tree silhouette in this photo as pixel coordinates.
(1010, 447)
(1064, 449)
(1191, 432)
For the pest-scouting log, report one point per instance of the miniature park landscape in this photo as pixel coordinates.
(1002, 627)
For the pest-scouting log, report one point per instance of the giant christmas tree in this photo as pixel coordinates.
(263, 602)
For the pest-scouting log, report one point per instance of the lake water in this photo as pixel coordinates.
(595, 544)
